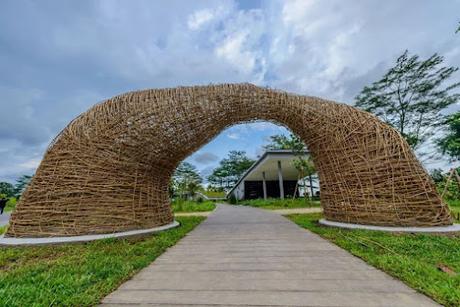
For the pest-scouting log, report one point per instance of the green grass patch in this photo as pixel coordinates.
(454, 205)
(455, 213)
(192, 206)
(214, 194)
(79, 274)
(413, 258)
(277, 203)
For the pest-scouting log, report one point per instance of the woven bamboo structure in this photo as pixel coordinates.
(109, 169)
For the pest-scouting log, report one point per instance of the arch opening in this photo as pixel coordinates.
(109, 169)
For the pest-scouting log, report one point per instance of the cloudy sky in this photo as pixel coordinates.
(58, 58)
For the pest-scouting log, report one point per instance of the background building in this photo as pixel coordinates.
(273, 176)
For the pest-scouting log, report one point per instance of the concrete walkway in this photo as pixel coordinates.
(243, 256)
(4, 219)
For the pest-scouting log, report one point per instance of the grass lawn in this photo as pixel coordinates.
(454, 206)
(276, 203)
(415, 259)
(455, 213)
(214, 194)
(79, 274)
(192, 206)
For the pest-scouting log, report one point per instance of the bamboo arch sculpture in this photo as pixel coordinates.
(109, 169)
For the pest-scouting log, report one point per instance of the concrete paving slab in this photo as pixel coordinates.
(5, 219)
(243, 256)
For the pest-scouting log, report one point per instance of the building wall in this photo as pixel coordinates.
(254, 189)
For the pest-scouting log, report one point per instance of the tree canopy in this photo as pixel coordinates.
(281, 141)
(230, 170)
(21, 185)
(450, 143)
(7, 189)
(411, 96)
(186, 180)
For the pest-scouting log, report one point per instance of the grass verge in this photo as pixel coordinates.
(454, 206)
(276, 203)
(79, 274)
(427, 263)
(214, 194)
(192, 206)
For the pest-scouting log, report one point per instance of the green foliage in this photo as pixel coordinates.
(281, 141)
(180, 205)
(232, 200)
(185, 181)
(454, 206)
(412, 258)
(21, 185)
(411, 96)
(79, 274)
(7, 189)
(11, 204)
(214, 194)
(230, 170)
(277, 203)
(437, 175)
(450, 143)
(453, 187)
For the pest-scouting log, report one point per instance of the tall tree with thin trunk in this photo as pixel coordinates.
(186, 180)
(450, 143)
(21, 185)
(411, 96)
(230, 170)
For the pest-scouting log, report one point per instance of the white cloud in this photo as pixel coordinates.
(233, 51)
(30, 164)
(199, 18)
(233, 135)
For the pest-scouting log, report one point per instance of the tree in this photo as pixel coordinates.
(437, 175)
(306, 168)
(21, 185)
(7, 189)
(411, 96)
(282, 141)
(458, 29)
(450, 143)
(185, 181)
(230, 170)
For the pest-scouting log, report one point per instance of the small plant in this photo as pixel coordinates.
(232, 200)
